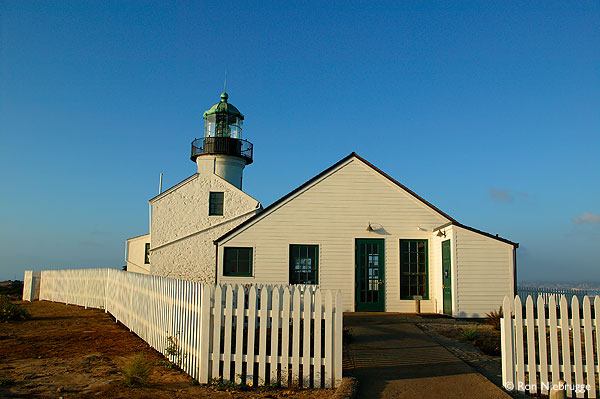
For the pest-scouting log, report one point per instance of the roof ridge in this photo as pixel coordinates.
(318, 176)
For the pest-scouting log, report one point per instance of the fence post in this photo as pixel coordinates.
(506, 346)
(27, 285)
(338, 338)
(204, 337)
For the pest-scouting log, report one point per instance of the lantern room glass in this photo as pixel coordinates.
(223, 125)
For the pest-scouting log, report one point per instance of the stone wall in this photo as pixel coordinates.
(192, 258)
(182, 232)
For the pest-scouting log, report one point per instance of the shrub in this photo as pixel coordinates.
(488, 345)
(220, 384)
(174, 351)
(469, 334)
(347, 336)
(10, 311)
(494, 317)
(168, 364)
(136, 370)
(13, 290)
(6, 382)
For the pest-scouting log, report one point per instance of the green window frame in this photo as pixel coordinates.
(147, 253)
(215, 203)
(304, 264)
(237, 261)
(414, 269)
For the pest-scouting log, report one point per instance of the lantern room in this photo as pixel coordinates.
(223, 120)
(222, 149)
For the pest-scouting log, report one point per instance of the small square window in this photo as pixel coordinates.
(147, 254)
(215, 207)
(237, 262)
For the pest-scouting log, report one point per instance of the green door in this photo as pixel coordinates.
(447, 277)
(370, 275)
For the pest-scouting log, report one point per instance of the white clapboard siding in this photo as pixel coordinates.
(484, 273)
(206, 328)
(344, 195)
(572, 358)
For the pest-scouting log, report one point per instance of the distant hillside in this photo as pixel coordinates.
(593, 286)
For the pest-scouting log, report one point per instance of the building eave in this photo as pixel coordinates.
(175, 187)
(474, 230)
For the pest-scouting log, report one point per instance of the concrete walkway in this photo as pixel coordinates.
(393, 358)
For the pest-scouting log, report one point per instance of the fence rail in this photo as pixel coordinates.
(546, 293)
(248, 334)
(544, 347)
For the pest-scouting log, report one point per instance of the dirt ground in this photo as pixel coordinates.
(67, 352)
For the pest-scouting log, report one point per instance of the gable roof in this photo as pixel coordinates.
(317, 177)
(175, 187)
(195, 176)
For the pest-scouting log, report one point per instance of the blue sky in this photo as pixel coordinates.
(491, 111)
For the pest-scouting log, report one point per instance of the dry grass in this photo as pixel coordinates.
(136, 370)
(82, 353)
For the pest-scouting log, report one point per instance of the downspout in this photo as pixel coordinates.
(126, 251)
(515, 270)
(149, 218)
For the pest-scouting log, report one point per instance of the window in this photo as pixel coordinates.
(304, 264)
(147, 254)
(413, 269)
(237, 261)
(215, 204)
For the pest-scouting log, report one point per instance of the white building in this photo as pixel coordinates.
(352, 228)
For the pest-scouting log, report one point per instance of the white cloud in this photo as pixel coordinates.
(587, 217)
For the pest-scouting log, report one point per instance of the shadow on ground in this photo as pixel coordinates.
(392, 358)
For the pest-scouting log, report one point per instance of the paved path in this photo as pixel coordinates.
(393, 358)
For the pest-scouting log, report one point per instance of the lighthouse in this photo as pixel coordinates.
(222, 150)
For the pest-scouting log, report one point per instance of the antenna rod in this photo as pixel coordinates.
(225, 83)
(160, 184)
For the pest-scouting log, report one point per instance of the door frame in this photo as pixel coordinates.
(382, 268)
(449, 241)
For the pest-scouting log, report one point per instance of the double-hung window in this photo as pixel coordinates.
(237, 261)
(215, 204)
(304, 262)
(413, 269)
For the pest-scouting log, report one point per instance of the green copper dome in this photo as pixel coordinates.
(224, 107)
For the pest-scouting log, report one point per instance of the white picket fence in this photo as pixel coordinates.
(250, 335)
(542, 348)
(547, 292)
(31, 289)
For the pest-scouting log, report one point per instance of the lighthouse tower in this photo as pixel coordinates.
(222, 150)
